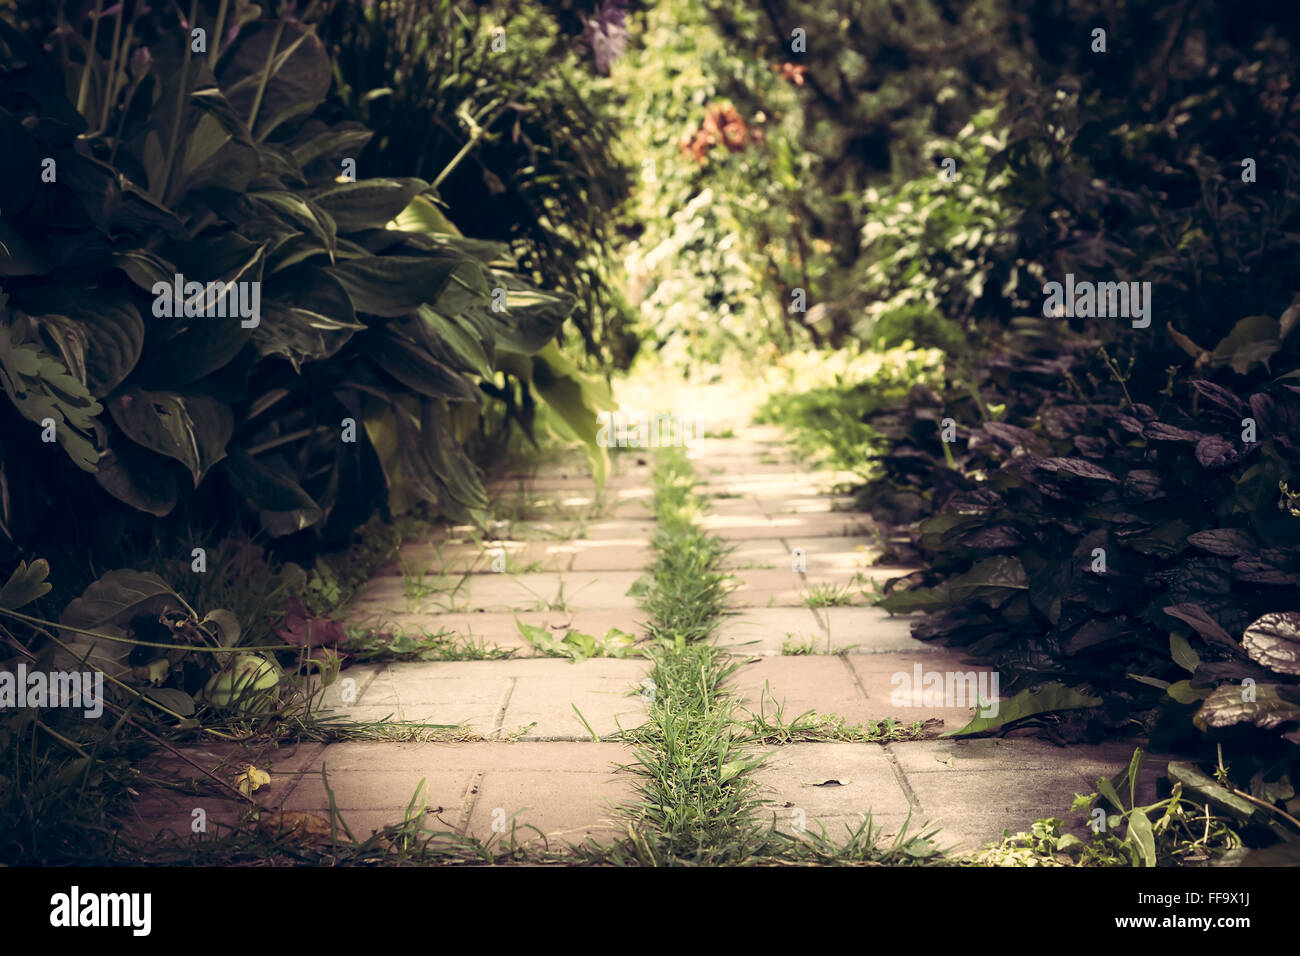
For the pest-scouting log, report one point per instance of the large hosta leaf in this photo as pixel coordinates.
(278, 66)
(284, 507)
(307, 317)
(99, 333)
(456, 340)
(193, 429)
(395, 285)
(453, 469)
(368, 203)
(182, 349)
(411, 364)
(993, 580)
(41, 389)
(132, 475)
(531, 320)
(573, 399)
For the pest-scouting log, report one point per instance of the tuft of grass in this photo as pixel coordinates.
(828, 595)
(769, 726)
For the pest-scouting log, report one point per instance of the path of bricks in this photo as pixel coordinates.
(532, 758)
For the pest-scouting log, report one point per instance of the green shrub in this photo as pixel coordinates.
(364, 375)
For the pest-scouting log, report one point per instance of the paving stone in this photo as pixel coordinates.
(615, 554)
(502, 697)
(164, 816)
(764, 631)
(617, 528)
(815, 546)
(569, 791)
(974, 807)
(758, 553)
(736, 507)
(384, 788)
(453, 558)
(798, 776)
(607, 692)
(787, 526)
(472, 693)
(167, 813)
(762, 588)
(498, 629)
(577, 590)
(800, 684)
(871, 630)
(1009, 756)
(889, 677)
(804, 504)
(737, 527)
(559, 806)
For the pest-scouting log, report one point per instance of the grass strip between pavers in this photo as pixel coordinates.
(700, 804)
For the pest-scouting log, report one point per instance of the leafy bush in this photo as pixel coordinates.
(1116, 509)
(365, 375)
(519, 138)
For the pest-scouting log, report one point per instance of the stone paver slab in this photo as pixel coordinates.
(764, 588)
(738, 527)
(617, 554)
(870, 630)
(894, 689)
(832, 780)
(759, 554)
(799, 684)
(606, 692)
(788, 526)
(764, 631)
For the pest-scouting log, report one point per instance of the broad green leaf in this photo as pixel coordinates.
(1252, 340)
(455, 341)
(1207, 788)
(1265, 707)
(1141, 835)
(132, 475)
(41, 389)
(284, 507)
(1182, 652)
(25, 584)
(1050, 698)
(412, 365)
(177, 701)
(307, 317)
(278, 65)
(193, 429)
(368, 203)
(573, 398)
(1183, 692)
(395, 285)
(98, 332)
(422, 215)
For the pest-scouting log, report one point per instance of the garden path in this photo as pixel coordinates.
(522, 748)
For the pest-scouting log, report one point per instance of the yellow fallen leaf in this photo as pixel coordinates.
(252, 779)
(297, 825)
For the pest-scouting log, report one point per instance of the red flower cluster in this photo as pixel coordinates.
(722, 126)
